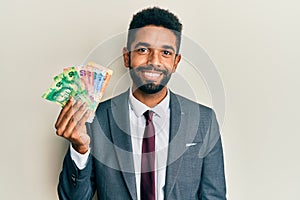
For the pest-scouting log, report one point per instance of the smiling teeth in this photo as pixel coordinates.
(152, 74)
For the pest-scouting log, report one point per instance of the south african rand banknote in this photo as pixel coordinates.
(101, 78)
(86, 83)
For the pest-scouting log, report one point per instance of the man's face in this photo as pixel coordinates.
(152, 58)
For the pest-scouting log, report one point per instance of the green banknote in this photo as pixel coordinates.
(65, 85)
(59, 92)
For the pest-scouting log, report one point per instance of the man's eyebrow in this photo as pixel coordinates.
(168, 47)
(145, 44)
(141, 44)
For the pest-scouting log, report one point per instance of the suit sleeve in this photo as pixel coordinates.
(212, 186)
(75, 183)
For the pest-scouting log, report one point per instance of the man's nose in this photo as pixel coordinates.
(154, 58)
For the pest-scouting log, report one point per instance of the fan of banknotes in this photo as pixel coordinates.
(85, 83)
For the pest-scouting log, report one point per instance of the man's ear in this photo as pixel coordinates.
(126, 57)
(176, 62)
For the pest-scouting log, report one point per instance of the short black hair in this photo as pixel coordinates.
(158, 17)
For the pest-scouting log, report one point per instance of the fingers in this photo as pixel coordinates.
(71, 121)
(66, 116)
(71, 125)
(78, 136)
(81, 129)
(84, 118)
(80, 112)
(63, 112)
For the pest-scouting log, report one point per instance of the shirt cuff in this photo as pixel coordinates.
(79, 159)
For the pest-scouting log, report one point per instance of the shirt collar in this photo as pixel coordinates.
(139, 108)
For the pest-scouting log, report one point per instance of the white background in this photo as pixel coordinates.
(254, 44)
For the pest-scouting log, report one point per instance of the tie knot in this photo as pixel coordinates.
(148, 115)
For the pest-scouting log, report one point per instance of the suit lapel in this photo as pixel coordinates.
(120, 132)
(173, 164)
(184, 120)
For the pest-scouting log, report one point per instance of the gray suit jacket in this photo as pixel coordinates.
(195, 168)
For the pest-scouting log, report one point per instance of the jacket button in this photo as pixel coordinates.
(73, 178)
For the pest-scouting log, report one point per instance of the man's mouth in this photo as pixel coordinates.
(151, 75)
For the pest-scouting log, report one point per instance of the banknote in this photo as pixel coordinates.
(85, 82)
(70, 78)
(84, 75)
(59, 92)
(98, 81)
(101, 78)
(90, 75)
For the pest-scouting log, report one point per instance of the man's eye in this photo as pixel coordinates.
(142, 50)
(167, 53)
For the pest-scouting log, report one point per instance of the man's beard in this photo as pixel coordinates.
(148, 87)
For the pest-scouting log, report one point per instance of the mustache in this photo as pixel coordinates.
(149, 68)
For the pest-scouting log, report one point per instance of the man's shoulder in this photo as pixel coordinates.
(107, 104)
(191, 103)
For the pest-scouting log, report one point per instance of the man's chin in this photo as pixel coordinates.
(150, 88)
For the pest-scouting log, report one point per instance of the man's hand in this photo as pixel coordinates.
(70, 124)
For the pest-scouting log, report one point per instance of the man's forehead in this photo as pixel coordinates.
(155, 36)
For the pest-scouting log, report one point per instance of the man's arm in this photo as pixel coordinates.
(213, 186)
(75, 183)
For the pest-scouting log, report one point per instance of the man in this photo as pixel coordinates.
(147, 143)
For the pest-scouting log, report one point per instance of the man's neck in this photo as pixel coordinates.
(150, 100)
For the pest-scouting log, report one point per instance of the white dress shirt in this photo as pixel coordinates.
(161, 121)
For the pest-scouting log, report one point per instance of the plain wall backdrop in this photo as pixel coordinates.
(253, 43)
